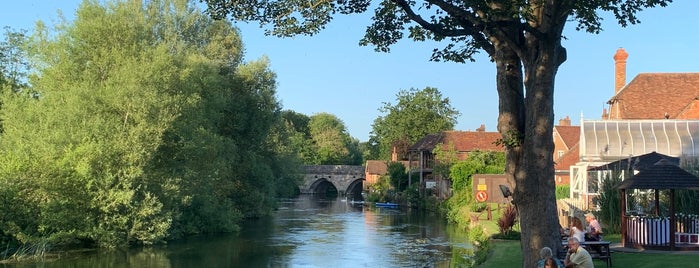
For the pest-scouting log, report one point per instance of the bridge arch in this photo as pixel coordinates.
(355, 187)
(346, 179)
(323, 185)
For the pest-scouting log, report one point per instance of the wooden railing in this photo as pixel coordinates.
(569, 207)
(655, 231)
(687, 229)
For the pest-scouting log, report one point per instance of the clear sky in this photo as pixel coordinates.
(330, 72)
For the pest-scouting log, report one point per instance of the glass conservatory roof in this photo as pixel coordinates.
(610, 140)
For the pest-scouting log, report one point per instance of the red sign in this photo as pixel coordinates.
(481, 196)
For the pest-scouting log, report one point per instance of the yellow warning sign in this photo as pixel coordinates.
(482, 187)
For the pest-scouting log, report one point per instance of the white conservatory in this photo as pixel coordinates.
(605, 141)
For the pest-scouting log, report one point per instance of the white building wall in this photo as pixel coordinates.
(606, 141)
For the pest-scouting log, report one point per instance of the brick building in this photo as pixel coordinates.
(422, 158)
(654, 112)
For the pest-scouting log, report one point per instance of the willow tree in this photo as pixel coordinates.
(522, 38)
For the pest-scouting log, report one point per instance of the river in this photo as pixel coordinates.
(307, 231)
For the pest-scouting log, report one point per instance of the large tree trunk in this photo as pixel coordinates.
(536, 187)
(526, 123)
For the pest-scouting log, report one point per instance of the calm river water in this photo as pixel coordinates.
(307, 231)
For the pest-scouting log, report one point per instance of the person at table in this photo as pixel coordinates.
(577, 256)
(576, 229)
(546, 256)
(594, 232)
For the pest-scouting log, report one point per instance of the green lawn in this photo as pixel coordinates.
(509, 254)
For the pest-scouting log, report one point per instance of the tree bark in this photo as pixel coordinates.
(526, 123)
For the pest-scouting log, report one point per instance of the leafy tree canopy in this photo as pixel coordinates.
(466, 25)
(147, 126)
(399, 176)
(320, 139)
(477, 163)
(13, 60)
(415, 114)
(333, 144)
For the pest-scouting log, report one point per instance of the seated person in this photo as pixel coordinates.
(577, 256)
(546, 256)
(576, 229)
(594, 232)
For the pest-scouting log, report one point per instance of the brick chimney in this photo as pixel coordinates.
(481, 128)
(394, 154)
(620, 69)
(564, 122)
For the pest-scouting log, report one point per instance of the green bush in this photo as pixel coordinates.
(481, 242)
(562, 191)
(609, 203)
(457, 207)
(398, 176)
(478, 206)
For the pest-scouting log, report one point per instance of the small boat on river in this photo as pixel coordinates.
(357, 203)
(386, 205)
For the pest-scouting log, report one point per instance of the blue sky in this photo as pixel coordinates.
(330, 72)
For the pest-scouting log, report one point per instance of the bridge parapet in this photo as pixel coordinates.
(343, 177)
(334, 169)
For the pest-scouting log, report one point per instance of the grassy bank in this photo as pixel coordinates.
(507, 253)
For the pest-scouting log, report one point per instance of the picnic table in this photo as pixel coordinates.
(597, 249)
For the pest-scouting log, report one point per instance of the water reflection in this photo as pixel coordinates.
(305, 232)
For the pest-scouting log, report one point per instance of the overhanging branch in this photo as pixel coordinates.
(467, 21)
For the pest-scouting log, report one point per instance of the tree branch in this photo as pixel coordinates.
(436, 28)
(467, 21)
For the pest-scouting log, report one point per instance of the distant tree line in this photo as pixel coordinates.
(322, 139)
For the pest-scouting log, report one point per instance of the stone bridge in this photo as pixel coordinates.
(345, 179)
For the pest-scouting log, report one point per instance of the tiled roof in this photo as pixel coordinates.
(652, 95)
(571, 157)
(376, 167)
(380, 167)
(690, 111)
(464, 141)
(427, 143)
(640, 162)
(569, 134)
(662, 175)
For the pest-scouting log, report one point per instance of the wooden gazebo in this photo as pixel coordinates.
(663, 175)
